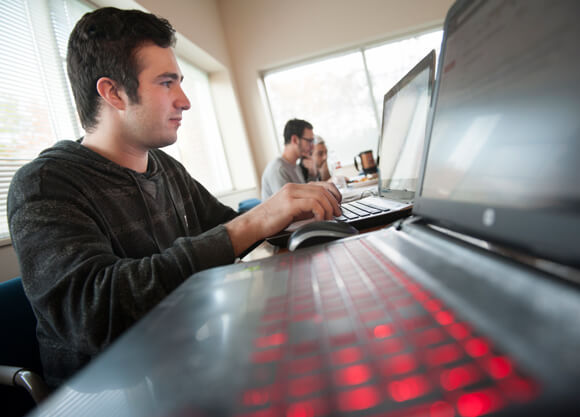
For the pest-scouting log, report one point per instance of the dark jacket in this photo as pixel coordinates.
(100, 245)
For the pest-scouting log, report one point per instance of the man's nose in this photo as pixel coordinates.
(182, 101)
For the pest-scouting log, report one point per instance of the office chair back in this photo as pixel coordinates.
(20, 365)
(248, 204)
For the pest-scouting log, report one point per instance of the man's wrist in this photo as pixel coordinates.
(243, 232)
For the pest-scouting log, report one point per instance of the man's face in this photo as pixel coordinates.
(319, 155)
(153, 122)
(306, 143)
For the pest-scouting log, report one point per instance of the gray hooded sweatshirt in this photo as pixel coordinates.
(99, 245)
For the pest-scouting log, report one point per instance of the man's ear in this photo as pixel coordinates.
(111, 93)
(294, 139)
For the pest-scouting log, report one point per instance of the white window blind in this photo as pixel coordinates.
(36, 107)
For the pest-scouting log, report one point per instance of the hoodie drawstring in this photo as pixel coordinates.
(149, 217)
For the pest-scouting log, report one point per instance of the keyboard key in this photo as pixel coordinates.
(346, 355)
(459, 377)
(444, 318)
(305, 385)
(443, 354)
(365, 207)
(358, 399)
(275, 339)
(304, 365)
(382, 331)
(409, 388)
(355, 210)
(398, 365)
(498, 367)
(429, 337)
(459, 331)
(339, 326)
(344, 339)
(479, 403)
(476, 347)
(304, 348)
(349, 215)
(388, 346)
(381, 209)
(316, 407)
(353, 375)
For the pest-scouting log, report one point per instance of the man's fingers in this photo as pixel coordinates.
(318, 196)
(332, 188)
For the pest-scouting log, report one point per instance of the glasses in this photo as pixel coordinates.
(309, 140)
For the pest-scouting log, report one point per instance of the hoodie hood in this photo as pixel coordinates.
(73, 153)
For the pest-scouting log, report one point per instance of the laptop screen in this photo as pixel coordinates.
(405, 109)
(504, 146)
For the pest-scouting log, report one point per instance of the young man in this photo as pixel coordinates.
(298, 142)
(107, 226)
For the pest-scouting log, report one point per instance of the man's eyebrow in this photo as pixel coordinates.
(172, 75)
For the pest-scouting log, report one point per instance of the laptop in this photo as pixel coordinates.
(467, 308)
(400, 148)
(470, 306)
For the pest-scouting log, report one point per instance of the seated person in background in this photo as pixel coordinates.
(107, 226)
(298, 141)
(315, 167)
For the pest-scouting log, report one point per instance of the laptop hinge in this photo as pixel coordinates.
(563, 271)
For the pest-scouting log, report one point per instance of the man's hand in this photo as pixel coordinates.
(292, 202)
(308, 163)
(323, 171)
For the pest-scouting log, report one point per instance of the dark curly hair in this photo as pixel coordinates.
(104, 43)
(295, 127)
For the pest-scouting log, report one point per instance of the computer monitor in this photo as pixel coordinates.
(503, 157)
(405, 109)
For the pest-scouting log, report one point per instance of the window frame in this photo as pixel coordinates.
(361, 48)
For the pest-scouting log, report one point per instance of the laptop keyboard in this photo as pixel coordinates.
(375, 345)
(357, 209)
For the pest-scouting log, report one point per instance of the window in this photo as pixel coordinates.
(199, 147)
(37, 107)
(388, 63)
(342, 96)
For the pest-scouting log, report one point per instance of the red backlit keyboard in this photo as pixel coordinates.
(375, 345)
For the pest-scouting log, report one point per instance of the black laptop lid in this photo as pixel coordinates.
(402, 141)
(503, 156)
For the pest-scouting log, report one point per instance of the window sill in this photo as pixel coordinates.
(5, 241)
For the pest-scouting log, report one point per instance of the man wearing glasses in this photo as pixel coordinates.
(298, 142)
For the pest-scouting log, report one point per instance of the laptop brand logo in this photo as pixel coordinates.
(488, 217)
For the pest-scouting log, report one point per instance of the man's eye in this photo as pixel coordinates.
(166, 84)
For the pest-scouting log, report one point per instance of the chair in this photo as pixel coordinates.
(248, 204)
(20, 366)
